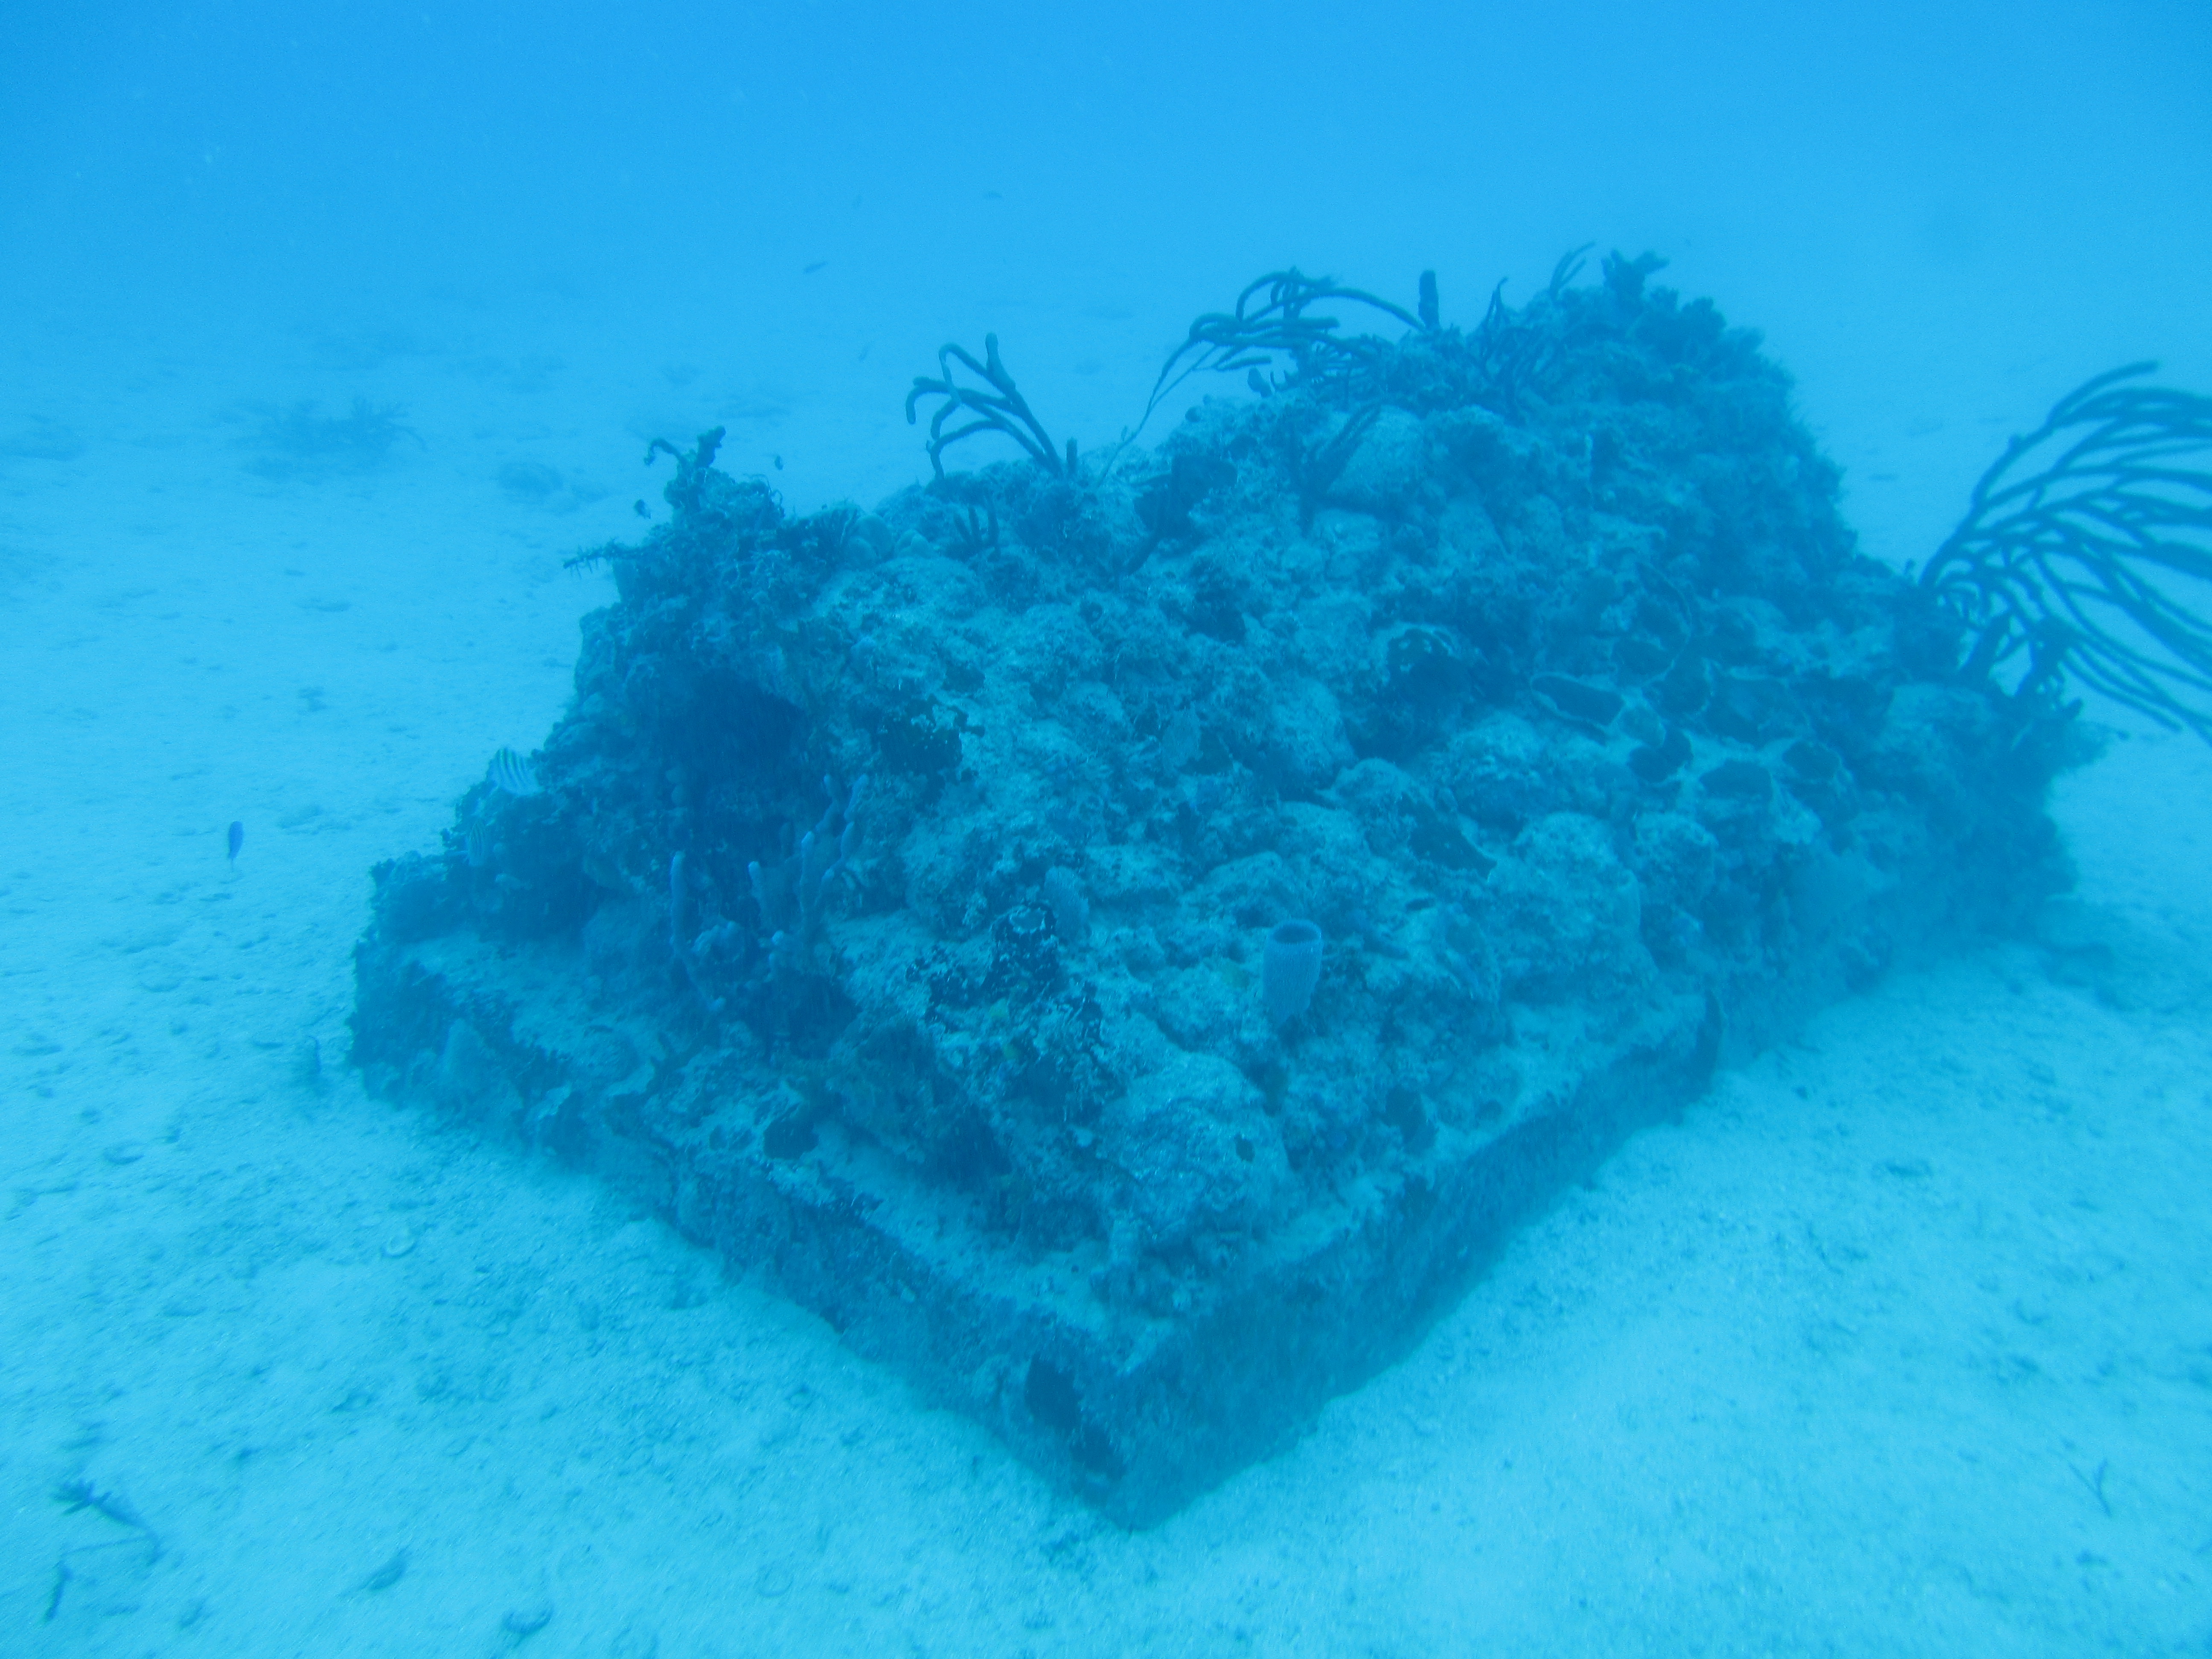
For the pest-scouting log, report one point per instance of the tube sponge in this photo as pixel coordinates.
(1290, 971)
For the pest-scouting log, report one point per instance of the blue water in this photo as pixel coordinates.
(1899, 1342)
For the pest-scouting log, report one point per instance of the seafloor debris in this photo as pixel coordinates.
(1125, 966)
(301, 442)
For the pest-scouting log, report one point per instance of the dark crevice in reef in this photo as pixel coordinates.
(901, 902)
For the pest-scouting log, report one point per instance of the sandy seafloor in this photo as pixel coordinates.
(1899, 1342)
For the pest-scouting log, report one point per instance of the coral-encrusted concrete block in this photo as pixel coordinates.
(893, 905)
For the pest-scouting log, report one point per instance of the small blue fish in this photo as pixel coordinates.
(237, 839)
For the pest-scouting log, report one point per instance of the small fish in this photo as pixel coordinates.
(387, 1575)
(511, 773)
(816, 266)
(237, 839)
